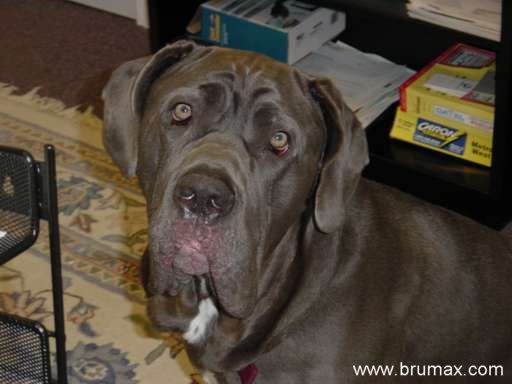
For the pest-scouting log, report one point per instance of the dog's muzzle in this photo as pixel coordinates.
(195, 237)
(202, 197)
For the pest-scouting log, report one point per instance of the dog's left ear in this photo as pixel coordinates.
(346, 154)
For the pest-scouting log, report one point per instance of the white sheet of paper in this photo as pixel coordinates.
(369, 83)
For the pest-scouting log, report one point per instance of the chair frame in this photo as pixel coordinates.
(44, 191)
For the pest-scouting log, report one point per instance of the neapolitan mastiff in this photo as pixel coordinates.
(271, 255)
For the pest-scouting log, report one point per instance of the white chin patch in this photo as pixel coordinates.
(209, 378)
(199, 325)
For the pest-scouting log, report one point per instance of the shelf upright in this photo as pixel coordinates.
(501, 173)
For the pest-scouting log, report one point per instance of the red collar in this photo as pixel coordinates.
(248, 374)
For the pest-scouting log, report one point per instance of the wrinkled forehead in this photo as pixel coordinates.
(242, 73)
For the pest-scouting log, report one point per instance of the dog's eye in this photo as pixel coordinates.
(181, 113)
(279, 143)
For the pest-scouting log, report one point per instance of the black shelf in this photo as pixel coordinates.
(167, 20)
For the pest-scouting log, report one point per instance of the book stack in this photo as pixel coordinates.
(449, 105)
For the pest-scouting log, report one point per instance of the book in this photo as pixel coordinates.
(448, 106)
(470, 144)
(286, 32)
(456, 89)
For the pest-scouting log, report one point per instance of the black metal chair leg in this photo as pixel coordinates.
(54, 237)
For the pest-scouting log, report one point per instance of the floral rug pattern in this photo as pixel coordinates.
(103, 234)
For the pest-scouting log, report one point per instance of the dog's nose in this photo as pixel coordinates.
(203, 196)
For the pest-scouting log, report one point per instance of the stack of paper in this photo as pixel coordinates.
(369, 83)
(477, 17)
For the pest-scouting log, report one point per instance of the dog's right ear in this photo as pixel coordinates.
(124, 97)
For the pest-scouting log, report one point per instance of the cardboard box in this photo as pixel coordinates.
(456, 89)
(471, 144)
(249, 25)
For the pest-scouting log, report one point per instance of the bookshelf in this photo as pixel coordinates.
(383, 27)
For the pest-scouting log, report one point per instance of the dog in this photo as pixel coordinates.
(272, 256)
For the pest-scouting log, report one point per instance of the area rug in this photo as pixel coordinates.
(103, 233)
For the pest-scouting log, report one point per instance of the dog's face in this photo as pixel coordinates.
(227, 147)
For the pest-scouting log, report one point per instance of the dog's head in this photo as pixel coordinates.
(228, 146)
